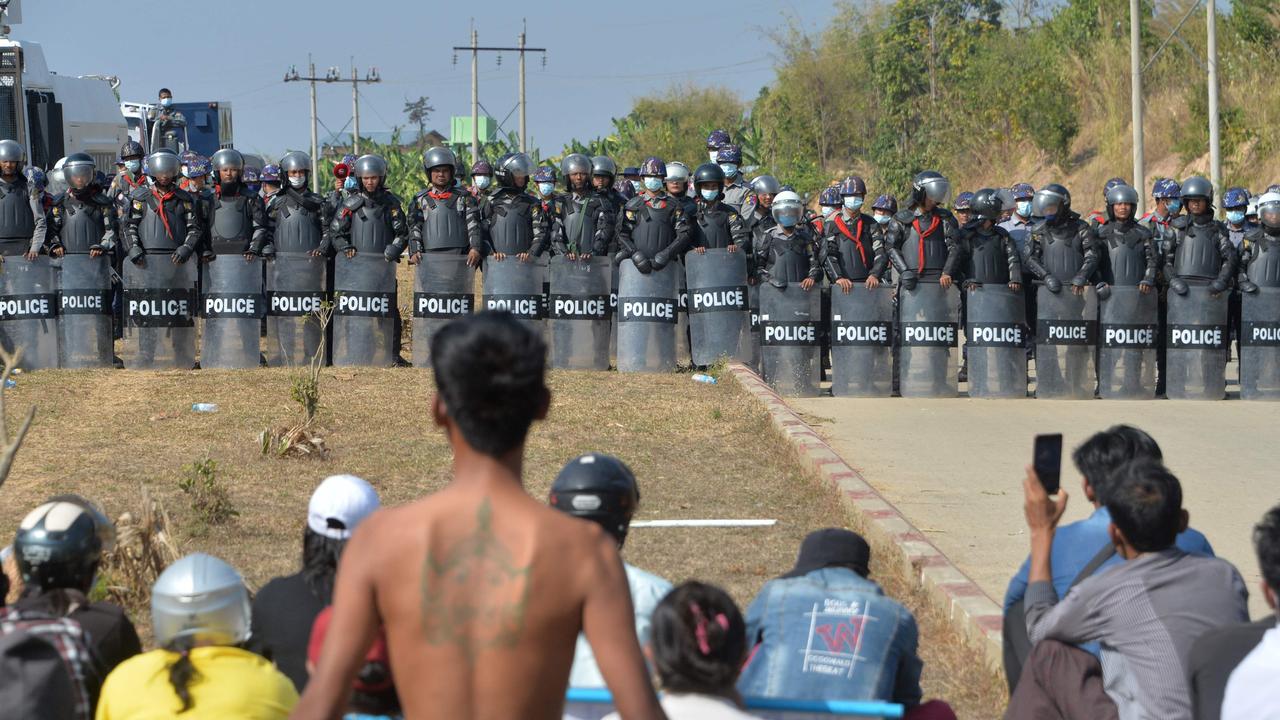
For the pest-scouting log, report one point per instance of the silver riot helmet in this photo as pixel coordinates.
(438, 156)
(1269, 210)
(787, 209)
(11, 151)
(367, 166)
(227, 158)
(79, 170)
(766, 185)
(930, 184)
(1051, 201)
(163, 166)
(202, 598)
(677, 172)
(513, 170)
(575, 163)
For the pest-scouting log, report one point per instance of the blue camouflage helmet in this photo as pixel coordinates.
(632, 171)
(729, 154)
(1236, 197)
(35, 177)
(481, 167)
(830, 197)
(888, 203)
(853, 185)
(963, 201)
(545, 173)
(1166, 188)
(1113, 182)
(271, 174)
(199, 166)
(250, 175)
(349, 160)
(653, 167)
(718, 139)
(1273, 188)
(1023, 191)
(131, 149)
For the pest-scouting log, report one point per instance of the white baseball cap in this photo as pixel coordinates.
(339, 504)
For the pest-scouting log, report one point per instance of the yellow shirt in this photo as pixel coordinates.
(232, 683)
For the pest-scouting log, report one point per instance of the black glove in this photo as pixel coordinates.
(1053, 283)
(1078, 281)
(908, 279)
(268, 250)
(641, 262)
(182, 253)
(393, 252)
(1178, 285)
(660, 260)
(1248, 286)
(1104, 290)
(135, 254)
(1217, 287)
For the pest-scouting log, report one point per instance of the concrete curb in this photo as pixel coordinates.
(972, 613)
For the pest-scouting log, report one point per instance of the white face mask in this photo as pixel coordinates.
(827, 210)
(852, 202)
(545, 188)
(712, 155)
(482, 181)
(297, 182)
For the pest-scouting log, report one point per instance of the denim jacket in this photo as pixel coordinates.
(831, 635)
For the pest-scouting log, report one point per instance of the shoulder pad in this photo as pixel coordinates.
(944, 213)
(182, 195)
(59, 198)
(635, 203)
(1254, 234)
(1181, 221)
(141, 193)
(905, 217)
(355, 202)
(996, 229)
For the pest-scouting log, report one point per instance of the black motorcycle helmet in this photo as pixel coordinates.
(986, 204)
(600, 488)
(60, 544)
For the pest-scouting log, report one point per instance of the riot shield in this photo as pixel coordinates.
(647, 318)
(753, 321)
(683, 353)
(84, 311)
(1066, 337)
(1196, 354)
(579, 313)
(159, 314)
(1128, 336)
(29, 310)
(232, 305)
(789, 319)
(1260, 345)
(996, 340)
(717, 291)
(613, 315)
(928, 337)
(295, 293)
(862, 341)
(516, 287)
(364, 316)
(443, 290)
(543, 263)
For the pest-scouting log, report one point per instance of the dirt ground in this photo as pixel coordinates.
(699, 451)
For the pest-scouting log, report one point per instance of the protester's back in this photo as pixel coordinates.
(47, 669)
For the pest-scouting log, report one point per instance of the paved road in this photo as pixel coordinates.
(955, 467)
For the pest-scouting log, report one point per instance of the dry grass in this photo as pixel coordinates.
(699, 451)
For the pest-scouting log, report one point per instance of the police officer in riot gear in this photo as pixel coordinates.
(756, 209)
(22, 212)
(295, 214)
(162, 217)
(584, 225)
(444, 219)
(1127, 255)
(985, 253)
(372, 219)
(1062, 247)
(603, 173)
(512, 217)
(926, 234)
(787, 253)
(716, 140)
(1260, 262)
(82, 220)
(715, 223)
(677, 182)
(238, 220)
(1167, 196)
(1098, 217)
(129, 179)
(851, 249)
(1200, 250)
(654, 228)
(736, 192)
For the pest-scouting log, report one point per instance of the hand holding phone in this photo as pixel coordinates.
(1047, 461)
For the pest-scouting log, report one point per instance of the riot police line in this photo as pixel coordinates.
(692, 267)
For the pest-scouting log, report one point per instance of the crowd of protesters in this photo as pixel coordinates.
(482, 601)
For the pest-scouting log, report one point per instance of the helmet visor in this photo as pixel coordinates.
(938, 190)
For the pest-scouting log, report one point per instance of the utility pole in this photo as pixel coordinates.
(330, 76)
(475, 49)
(1135, 71)
(370, 77)
(1215, 147)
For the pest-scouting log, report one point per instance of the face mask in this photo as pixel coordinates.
(166, 102)
(712, 155)
(482, 181)
(1174, 206)
(1024, 208)
(882, 219)
(133, 166)
(350, 183)
(730, 169)
(297, 182)
(635, 185)
(253, 187)
(709, 194)
(653, 184)
(1235, 217)
(827, 210)
(545, 188)
(788, 220)
(852, 202)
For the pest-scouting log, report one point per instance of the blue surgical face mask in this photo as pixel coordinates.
(1174, 205)
(350, 183)
(1024, 208)
(166, 102)
(545, 188)
(133, 166)
(730, 169)
(788, 220)
(827, 210)
(882, 219)
(482, 181)
(1235, 217)
(852, 202)
(653, 184)
(709, 194)
(635, 185)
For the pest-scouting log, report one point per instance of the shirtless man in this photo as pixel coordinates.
(482, 589)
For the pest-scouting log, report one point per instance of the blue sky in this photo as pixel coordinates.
(601, 56)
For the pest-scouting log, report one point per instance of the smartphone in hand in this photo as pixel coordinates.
(1047, 461)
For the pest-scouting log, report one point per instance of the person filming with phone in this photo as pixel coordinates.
(1145, 611)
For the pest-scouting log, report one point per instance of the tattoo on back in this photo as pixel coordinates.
(473, 593)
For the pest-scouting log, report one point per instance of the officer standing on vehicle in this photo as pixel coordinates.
(585, 224)
(444, 219)
(654, 228)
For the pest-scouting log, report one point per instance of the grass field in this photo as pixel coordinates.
(699, 451)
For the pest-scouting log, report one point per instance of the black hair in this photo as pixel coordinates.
(1266, 541)
(163, 91)
(182, 672)
(378, 702)
(490, 370)
(1098, 457)
(1146, 504)
(320, 556)
(699, 640)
